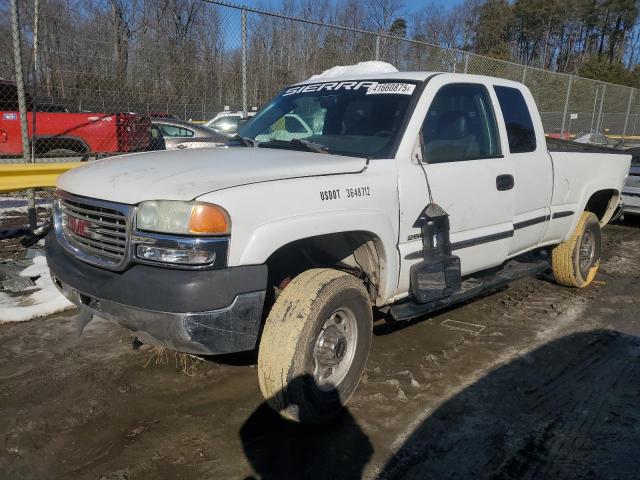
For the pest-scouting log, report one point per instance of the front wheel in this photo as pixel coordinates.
(315, 345)
(576, 262)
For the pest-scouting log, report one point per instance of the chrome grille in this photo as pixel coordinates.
(99, 231)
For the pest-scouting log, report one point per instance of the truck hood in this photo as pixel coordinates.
(185, 175)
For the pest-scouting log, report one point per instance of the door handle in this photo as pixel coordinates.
(504, 182)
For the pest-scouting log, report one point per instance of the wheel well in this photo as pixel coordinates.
(359, 253)
(603, 203)
(44, 145)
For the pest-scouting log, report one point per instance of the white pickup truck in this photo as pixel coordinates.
(407, 192)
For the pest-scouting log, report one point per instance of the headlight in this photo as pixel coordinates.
(188, 218)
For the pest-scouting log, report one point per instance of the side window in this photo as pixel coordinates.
(173, 131)
(522, 136)
(169, 130)
(460, 125)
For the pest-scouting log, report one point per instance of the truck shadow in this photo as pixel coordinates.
(566, 410)
(280, 449)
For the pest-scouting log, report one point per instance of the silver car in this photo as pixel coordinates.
(170, 134)
(595, 138)
(631, 191)
(226, 122)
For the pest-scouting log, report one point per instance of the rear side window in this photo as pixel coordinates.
(173, 131)
(460, 125)
(522, 137)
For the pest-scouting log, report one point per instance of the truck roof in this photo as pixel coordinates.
(414, 76)
(411, 76)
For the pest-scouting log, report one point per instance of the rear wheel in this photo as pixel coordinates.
(576, 262)
(315, 345)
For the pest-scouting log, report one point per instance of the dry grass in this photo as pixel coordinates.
(185, 362)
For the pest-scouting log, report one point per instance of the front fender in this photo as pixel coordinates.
(269, 237)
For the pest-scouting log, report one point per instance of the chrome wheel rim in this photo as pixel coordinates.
(335, 349)
(587, 252)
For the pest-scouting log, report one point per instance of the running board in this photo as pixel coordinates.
(473, 286)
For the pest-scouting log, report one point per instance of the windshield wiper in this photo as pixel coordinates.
(245, 141)
(309, 145)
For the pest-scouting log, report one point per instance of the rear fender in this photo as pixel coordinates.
(589, 190)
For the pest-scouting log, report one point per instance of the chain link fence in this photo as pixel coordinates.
(113, 76)
(114, 63)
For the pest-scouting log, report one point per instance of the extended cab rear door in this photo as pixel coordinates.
(533, 171)
(469, 175)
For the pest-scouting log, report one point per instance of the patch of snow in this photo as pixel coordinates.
(361, 68)
(45, 301)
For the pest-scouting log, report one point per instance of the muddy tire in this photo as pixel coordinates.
(575, 262)
(315, 345)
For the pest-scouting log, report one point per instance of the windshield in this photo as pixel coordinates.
(355, 118)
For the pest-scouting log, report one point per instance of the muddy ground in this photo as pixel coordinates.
(545, 384)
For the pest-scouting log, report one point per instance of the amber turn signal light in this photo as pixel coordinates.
(209, 219)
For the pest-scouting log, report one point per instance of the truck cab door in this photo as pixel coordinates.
(460, 153)
(532, 164)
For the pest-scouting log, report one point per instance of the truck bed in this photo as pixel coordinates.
(577, 174)
(559, 145)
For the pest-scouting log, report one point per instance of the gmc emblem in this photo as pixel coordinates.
(78, 226)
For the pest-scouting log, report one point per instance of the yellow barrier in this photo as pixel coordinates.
(626, 137)
(21, 176)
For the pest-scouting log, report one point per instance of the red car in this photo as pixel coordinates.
(60, 133)
(565, 135)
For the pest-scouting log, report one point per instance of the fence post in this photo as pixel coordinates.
(524, 74)
(377, 47)
(34, 86)
(626, 118)
(595, 102)
(22, 105)
(566, 107)
(466, 62)
(243, 16)
(599, 124)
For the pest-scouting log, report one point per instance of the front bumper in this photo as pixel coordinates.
(203, 312)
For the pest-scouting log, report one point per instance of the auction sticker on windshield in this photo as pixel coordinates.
(391, 88)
